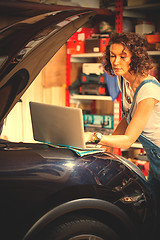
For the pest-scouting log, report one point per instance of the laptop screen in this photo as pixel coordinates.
(57, 125)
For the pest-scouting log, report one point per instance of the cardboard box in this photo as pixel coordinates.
(144, 28)
(136, 2)
(52, 74)
(76, 3)
(87, 3)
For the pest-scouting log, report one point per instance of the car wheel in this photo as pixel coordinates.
(82, 228)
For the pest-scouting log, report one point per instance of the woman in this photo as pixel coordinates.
(127, 58)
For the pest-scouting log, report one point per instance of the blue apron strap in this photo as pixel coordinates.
(124, 113)
(136, 92)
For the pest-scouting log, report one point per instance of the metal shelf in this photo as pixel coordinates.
(96, 55)
(89, 97)
(90, 55)
(155, 53)
(85, 57)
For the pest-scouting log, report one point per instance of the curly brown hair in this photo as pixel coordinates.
(141, 62)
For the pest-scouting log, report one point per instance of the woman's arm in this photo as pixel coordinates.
(134, 128)
(120, 130)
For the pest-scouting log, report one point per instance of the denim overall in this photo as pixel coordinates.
(152, 151)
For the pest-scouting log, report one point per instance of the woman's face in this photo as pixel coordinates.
(120, 59)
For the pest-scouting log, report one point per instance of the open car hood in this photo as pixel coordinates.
(27, 46)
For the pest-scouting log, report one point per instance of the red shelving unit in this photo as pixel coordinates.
(117, 102)
(68, 78)
(119, 16)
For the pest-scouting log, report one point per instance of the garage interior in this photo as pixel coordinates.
(76, 62)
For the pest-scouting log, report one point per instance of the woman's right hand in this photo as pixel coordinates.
(88, 137)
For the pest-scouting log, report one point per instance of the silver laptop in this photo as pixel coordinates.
(57, 125)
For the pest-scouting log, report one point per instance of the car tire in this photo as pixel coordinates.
(82, 228)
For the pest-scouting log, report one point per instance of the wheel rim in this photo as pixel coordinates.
(86, 237)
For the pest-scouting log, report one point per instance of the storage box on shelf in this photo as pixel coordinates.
(99, 128)
(96, 44)
(144, 28)
(74, 47)
(92, 68)
(153, 38)
(89, 84)
(100, 121)
(132, 3)
(76, 43)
